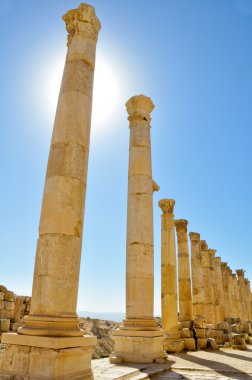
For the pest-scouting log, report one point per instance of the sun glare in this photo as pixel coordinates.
(106, 95)
(106, 91)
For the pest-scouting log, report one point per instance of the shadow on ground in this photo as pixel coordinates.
(221, 368)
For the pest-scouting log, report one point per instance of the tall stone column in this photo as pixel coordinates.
(56, 273)
(240, 274)
(139, 339)
(235, 296)
(232, 306)
(224, 273)
(209, 310)
(169, 301)
(248, 299)
(213, 276)
(184, 275)
(198, 291)
(220, 290)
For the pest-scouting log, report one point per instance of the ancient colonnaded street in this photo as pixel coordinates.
(199, 365)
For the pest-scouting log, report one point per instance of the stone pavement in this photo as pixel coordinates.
(199, 365)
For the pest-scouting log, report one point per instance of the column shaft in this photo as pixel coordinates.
(209, 310)
(56, 274)
(184, 275)
(169, 302)
(198, 291)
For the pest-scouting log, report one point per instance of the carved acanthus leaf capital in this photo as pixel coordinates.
(167, 205)
(155, 186)
(194, 236)
(139, 107)
(181, 225)
(82, 21)
(240, 272)
(212, 252)
(203, 245)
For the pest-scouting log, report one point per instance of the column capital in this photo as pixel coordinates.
(203, 245)
(240, 272)
(212, 252)
(181, 224)
(218, 260)
(83, 22)
(167, 205)
(139, 107)
(234, 275)
(194, 236)
(224, 265)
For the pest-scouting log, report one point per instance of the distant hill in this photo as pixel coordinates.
(112, 316)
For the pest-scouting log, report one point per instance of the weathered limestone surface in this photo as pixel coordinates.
(184, 276)
(139, 339)
(219, 290)
(215, 286)
(198, 290)
(169, 302)
(224, 273)
(56, 273)
(209, 311)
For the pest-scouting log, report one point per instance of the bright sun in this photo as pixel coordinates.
(106, 91)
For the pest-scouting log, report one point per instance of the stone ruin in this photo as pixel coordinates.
(214, 304)
(13, 309)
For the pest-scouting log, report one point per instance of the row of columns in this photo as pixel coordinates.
(207, 287)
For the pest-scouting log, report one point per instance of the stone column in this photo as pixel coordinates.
(209, 310)
(221, 299)
(235, 296)
(224, 273)
(198, 291)
(184, 275)
(240, 274)
(56, 273)
(248, 297)
(169, 302)
(213, 276)
(139, 339)
(232, 306)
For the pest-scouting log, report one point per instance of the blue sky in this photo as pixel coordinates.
(194, 59)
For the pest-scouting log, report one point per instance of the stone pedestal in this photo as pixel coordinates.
(139, 339)
(209, 311)
(184, 276)
(37, 357)
(198, 291)
(56, 273)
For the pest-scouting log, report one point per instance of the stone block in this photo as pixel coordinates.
(211, 343)
(212, 333)
(1, 305)
(9, 305)
(239, 342)
(9, 296)
(14, 326)
(202, 343)
(186, 333)
(200, 333)
(223, 326)
(235, 328)
(4, 325)
(1, 296)
(137, 349)
(3, 313)
(199, 323)
(247, 328)
(190, 344)
(173, 345)
(186, 324)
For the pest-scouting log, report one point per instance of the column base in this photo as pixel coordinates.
(51, 326)
(46, 358)
(138, 346)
